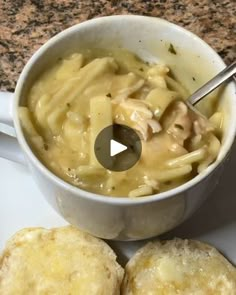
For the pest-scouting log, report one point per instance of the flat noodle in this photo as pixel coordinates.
(75, 132)
(56, 109)
(141, 191)
(217, 120)
(70, 66)
(85, 76)
(126, 92)
(213, 151)
(100, 118)
(79, 96)
(89, 170)
(28, 126)
(156, 76)
(187, 159)
(40, 115)
(120, 82)
(156, 102)
(171, 174)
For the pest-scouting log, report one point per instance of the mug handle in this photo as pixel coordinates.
(9, 146)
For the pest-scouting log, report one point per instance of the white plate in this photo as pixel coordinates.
(22, 205)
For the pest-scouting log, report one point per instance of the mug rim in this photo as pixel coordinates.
(122, 201)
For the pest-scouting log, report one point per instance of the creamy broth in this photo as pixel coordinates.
(61, 121)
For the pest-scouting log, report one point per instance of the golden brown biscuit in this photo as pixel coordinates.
(59, 261)
(178, 266)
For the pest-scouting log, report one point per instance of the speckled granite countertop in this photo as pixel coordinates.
(26, 24)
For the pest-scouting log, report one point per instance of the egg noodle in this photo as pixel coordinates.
(72, 101)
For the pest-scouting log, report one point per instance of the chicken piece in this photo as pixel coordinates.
(139, 106)
(124, 93)
(202, 126)
(196, 142)
(159, 149)
(154, 125)
(136, 114)
(142, 93)
(177, 122)
(152, 183)
(119, 82)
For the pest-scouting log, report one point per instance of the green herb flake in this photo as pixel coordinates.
(194, 79)
(168, 182)
(113, 188)
(68, 105)
(141, 69)
(108, 95)
(45, 146)
(172, 49)
(178, 126)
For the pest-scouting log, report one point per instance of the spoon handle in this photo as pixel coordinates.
(212, 84)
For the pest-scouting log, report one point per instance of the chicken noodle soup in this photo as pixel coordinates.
(75, 99)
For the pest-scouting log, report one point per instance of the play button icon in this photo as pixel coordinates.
(118, 147)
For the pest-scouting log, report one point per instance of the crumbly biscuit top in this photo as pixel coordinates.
(179, 267)
(60, 261)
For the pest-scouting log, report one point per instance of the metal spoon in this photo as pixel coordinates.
(224, 75)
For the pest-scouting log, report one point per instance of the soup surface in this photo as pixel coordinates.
(72, 101)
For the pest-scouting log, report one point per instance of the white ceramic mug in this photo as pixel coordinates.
(122, 218)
